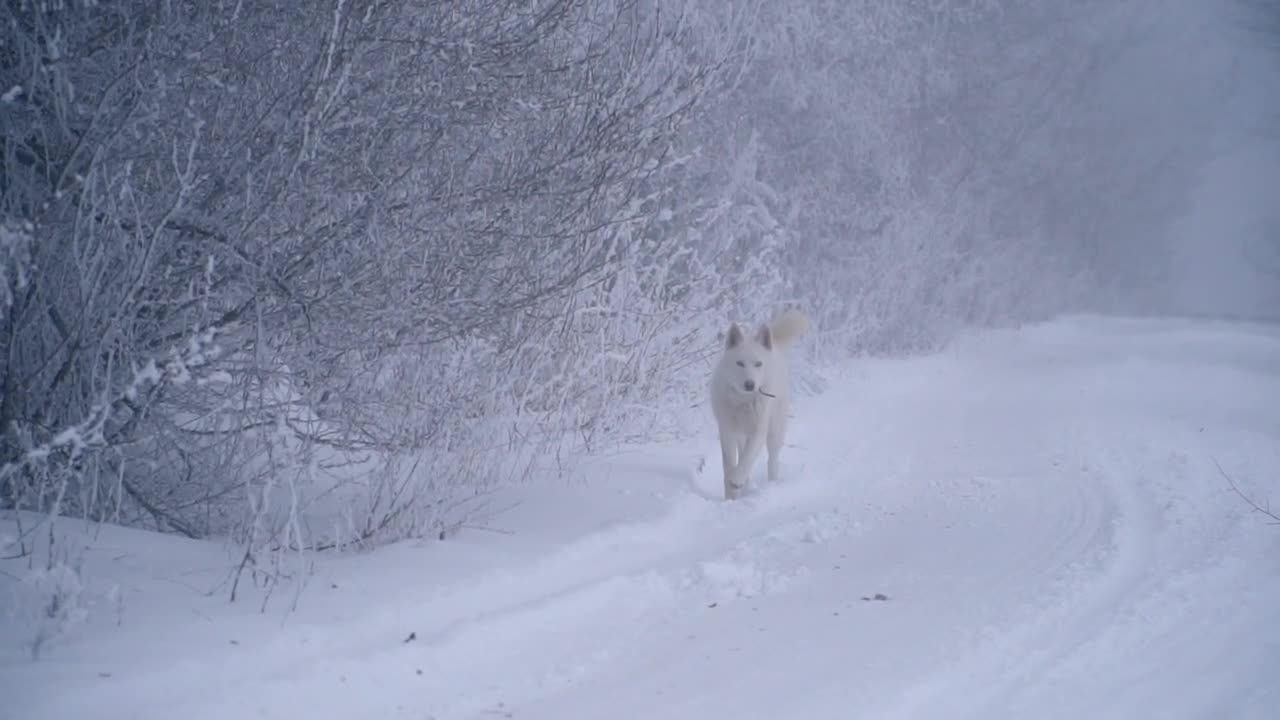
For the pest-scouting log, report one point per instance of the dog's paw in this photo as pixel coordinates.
(734, 492)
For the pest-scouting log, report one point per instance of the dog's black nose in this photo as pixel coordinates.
(749, 385)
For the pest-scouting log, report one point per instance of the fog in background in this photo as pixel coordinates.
(320, 278)
(1228, 235)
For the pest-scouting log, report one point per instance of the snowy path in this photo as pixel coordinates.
(1041, 511)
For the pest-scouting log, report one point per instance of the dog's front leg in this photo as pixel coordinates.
(729, 461)
(750, 450)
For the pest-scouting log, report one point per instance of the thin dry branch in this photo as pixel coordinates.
(1264, 509)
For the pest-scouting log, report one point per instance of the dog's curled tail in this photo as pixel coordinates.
(787, 326)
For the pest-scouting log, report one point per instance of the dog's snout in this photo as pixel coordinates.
(749, 385)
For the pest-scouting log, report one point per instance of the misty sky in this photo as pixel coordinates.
(1228, 245)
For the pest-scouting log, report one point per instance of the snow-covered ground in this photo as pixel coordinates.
(1031, 524)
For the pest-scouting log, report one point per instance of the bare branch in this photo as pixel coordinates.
(1263, 509)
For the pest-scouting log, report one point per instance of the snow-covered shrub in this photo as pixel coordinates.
(380, 220)
(50, 603)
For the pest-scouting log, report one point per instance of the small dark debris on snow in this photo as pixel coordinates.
(501, 711)
(713, 605)
(234, 642)
(334, 585)
(419, 671)
(104, 674)
(878, 596)
(412, 636)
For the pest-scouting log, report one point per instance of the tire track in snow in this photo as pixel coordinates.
(530, 630)
(826, 625)
(753, 567)
(1057, 656)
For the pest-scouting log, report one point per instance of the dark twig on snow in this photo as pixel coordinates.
(1264, 509)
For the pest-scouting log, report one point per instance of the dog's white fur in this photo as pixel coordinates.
(750, 397)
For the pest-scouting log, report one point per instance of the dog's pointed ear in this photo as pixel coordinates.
(765, 337)
(735, 336)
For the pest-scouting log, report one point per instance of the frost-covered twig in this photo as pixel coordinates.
(71, 443)
(15, 256)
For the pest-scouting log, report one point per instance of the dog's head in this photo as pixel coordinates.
(746, 360)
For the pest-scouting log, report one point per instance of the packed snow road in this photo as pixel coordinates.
(1032, 524)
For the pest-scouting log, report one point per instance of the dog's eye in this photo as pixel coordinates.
(741, 364)
(758, 363)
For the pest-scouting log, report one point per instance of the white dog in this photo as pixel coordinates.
(750, 397)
